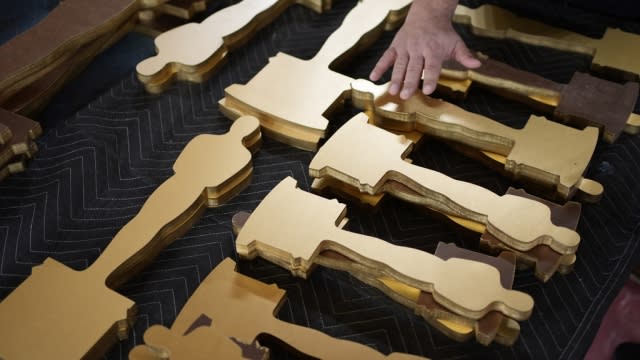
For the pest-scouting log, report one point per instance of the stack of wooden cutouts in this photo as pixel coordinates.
(193, 51)
(555, 169)
(229, 314)
(492, 21)
(585, 101)
(35, 64)
(17, 135)
(295, 114)
(298, 230)
(362, 158)
(83, 315)
(155, 20)
(38, 62)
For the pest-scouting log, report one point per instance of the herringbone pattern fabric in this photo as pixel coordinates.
(97, 166)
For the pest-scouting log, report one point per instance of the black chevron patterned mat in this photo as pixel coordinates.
(108, 144)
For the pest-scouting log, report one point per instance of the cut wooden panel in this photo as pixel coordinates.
(32, 98)
(584, 101)
(192, 51)
(72, 24)
(55, 49)
(226, 296)
(295, 114)
(495, 22)
(366, 157)
(560, 163)
(23, 131)
(291, 227)
(204, 343)
(83, 316)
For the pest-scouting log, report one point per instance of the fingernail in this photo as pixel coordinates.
(427, 89)
(393, 90)
(405, 94)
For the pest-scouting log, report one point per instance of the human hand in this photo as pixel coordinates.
(426, 39)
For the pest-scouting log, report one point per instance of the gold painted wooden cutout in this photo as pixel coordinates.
(203, 343)
(83, 315)
(455, 326)
(193, 51)
(227, 296)
(495, 22)
(493, 326)
(366, 157)
(559, 163)
(291, 227)
(584, 100)
(297, 117)
(545, 259)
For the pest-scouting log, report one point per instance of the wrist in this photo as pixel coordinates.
(433, 10)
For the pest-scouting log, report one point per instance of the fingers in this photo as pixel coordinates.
(431, 74)
(386, 60)
(397, 76)
(412, 76)
(462, 55)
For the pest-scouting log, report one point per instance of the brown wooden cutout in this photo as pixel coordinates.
(560, 163)
(204, 343)
(72, 24)
(495, 22)
(227, 296)
(193, 51)
(83, 315)
(366, 157)
(295, 114)
(290, 227)
(585, 101)
(54, 41)
(33, 97)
